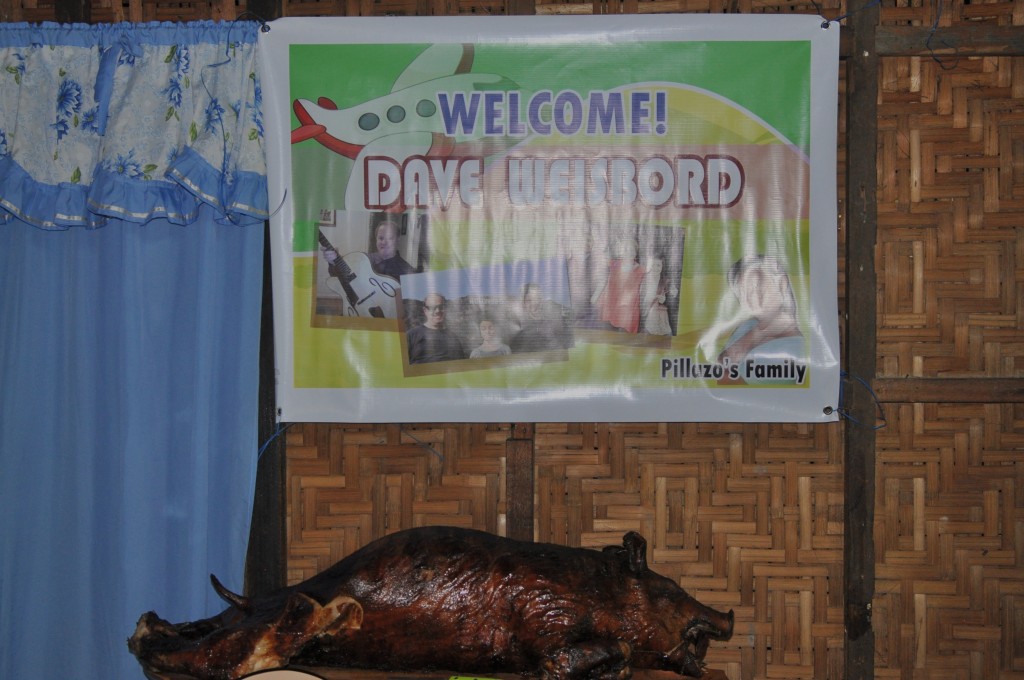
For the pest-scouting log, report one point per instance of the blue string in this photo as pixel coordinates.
(931, 34)
(280, 430)
(225, 153)
(249, 15)
(225, 158)
(839, 18)
(422, 443)
(845, 413)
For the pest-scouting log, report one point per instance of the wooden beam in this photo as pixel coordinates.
(981, 40)
(266, 560)
(860, 345)
(966, 40)
(519, 482)
(949, 390)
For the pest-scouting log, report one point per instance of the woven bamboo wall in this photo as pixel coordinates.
(189, 10)
(750, 517)
(949, 523)
(106, 11)
(747, 517)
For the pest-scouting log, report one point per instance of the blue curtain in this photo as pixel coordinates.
(128, 353)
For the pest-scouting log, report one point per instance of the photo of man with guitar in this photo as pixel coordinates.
(368, 283)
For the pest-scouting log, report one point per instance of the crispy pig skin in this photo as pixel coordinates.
(451, 598)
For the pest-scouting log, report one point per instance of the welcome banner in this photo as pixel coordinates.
(554, 218)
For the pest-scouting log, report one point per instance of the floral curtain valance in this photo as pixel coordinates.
(131, 122)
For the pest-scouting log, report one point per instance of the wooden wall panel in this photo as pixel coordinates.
(829, 8)
(112, 11)
(746, 517)
(28, 10)
(951, 201)
(949, 519)
(751, 516)
(949, 535)
(348, 485)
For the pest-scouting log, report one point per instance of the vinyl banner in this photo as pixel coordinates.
(585, 218)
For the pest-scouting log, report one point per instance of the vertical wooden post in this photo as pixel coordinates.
(73, 11)
(265, 9)
(861, 286)
(520, 7)
(266, 558)
(519, 482)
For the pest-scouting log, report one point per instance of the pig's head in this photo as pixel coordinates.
(251, 635)
(679, 628)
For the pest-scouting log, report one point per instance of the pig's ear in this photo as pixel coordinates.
(636, 552)
(309, 617)
(344, 613)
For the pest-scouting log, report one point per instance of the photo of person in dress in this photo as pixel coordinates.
(656, 321)
(617, 298)
(625, 279)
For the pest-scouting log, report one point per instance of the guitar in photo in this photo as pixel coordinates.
(365, 292)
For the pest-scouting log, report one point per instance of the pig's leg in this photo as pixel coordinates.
(595, 660)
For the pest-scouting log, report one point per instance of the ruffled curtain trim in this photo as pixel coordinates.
(130, 122)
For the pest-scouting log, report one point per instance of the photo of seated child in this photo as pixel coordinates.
(769, 331)
(492, 346)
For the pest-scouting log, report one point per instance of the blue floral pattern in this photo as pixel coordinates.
(89, 120)
(16, 66)
(133, 121)
(129, 167)
(256, 110)
(69, 98)
(69, 103)
(214, 116)
(180, 81)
